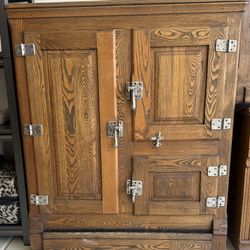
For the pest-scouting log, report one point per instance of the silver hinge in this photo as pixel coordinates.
(39, 200)
(115, 130)
(224, 45)
(134, 188)
(134, 91)
(25, 49)
(215, 202)
(33, 129)
(217, 170)
(221, 124)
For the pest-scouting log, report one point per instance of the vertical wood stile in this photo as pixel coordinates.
(108, 110)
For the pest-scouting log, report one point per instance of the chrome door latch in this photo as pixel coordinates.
(134, 91)
(157, 140)
(115, 130)
(134, 188)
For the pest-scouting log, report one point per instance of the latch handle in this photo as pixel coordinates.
(134, 91)
(115, 130)
(157, 140)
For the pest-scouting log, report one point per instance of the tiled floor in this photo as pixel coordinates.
(9, 243)
(12, 243)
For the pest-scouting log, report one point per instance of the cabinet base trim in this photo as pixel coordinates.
(126, 241)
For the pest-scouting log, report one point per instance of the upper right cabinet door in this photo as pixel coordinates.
(183, 79)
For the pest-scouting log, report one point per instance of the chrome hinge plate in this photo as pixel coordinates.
(212, 171)
(25, 49)
(224, 45)
(221, 201)
(113, 126)
(217, 170)
(216, 124)
(222, 170)
(215, 202)
(211, 202)
(221, 124)
(33, 129)
(227, 123)
(39, 200)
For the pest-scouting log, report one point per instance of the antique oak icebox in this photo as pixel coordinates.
(126, 110)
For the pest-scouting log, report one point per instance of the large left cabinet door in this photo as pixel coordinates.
(71, 91)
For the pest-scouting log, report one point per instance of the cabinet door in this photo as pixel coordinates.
(174, 185)
(183, 79)
(71, 82)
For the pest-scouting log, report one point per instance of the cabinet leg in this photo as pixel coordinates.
(219, 242)
(36, 241)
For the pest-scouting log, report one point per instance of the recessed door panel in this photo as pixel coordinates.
(183, 79)
(67, 79)
(174, 185)
(179, 74)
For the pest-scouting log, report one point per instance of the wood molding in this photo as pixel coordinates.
(42, 11)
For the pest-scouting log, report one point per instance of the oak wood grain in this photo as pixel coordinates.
(174, 223)
(74, 11)
(165, 181)
(106, 44)
(101, 47)
(126, 241)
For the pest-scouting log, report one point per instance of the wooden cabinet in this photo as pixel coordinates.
(75, 83)
(239, 182)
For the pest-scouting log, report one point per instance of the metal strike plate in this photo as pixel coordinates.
(222, 170)
(25, 49)
(212, 171)
(232, 46)
(211, 202)
(39, 200)
(136, 87)
(227, 123)
(113, 126)
(33, 130)
(216, 124)
(115, 130)
(221, 201)
(134, 187)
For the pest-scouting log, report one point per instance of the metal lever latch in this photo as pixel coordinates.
(134, 91)
(157, 140)
(115, 130)
(134, 188)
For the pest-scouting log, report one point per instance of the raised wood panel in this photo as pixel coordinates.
(172, 186)
(180, 82)
(72, 86)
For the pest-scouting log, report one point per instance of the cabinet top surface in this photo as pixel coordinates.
(115, 2)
